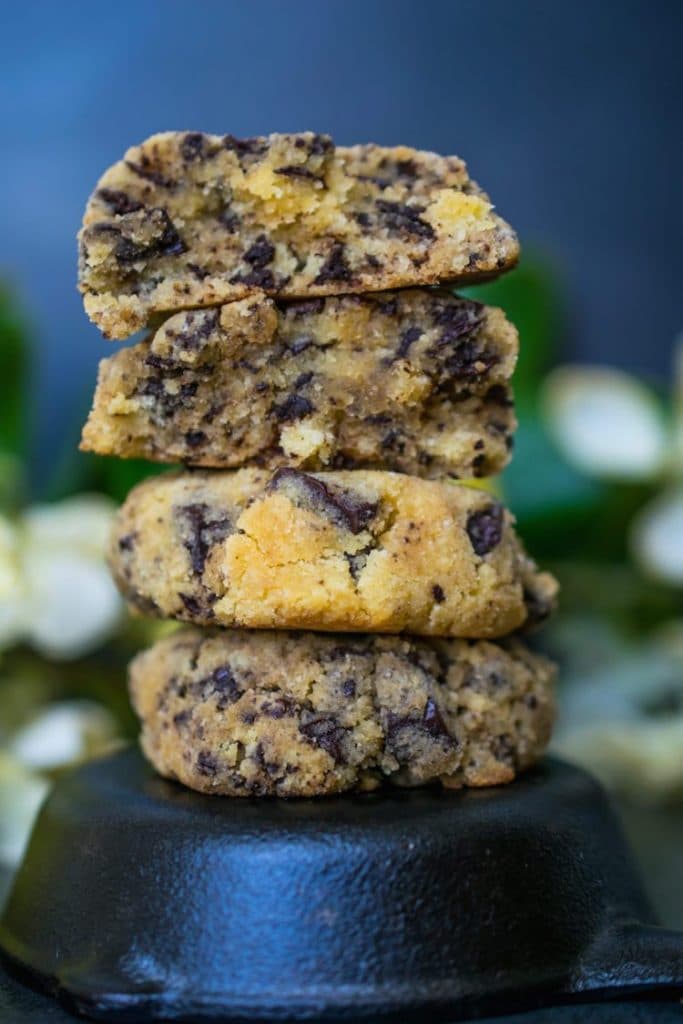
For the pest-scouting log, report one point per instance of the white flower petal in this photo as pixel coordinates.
(605, 422)
(21, 795)
(71, 603)
(62, 734)
(82, 522)
(657, 537)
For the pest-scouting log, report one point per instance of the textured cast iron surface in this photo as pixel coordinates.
(141, 900)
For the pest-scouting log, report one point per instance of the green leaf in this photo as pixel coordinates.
(530, 296)
(14, 374)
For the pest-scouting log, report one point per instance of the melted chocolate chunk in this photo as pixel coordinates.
(300, 345)
(164, 240)
(538, 607)
(193, 438)
(260, 253)
(117, 201)
(438, 594)
(207, 763)
(400, 219)
(296, 171)
(294, 407)
(279, 707)
(326, 733)
(200, 532)
(192, 605)
(198, 328)
(348, 687)
(259, 277)
(408, 338)
(485, 529)
(193, 146)
(430, 722)
(230, 221)
(335, 267)
(146, 171)
(304, 307)
(245, 147)
(344, 507)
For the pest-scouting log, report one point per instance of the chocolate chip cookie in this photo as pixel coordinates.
(416, 381)
(347, 550)
(249, 713)
(188, 220)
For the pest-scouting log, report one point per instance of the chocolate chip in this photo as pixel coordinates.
(538, 606)
(193, 438)
(200, 532)
(406, 168)
(162, 240)
(146, 171)
(400, 219)
(260, 253)
(117, 201)
(485, 528)
(408, 338)
(207, 763)
(303, 379)
(279, 708)
(245, 147)
(220, 683)
(300, 345)
(230, 220)
(430, 722)
(294, 407)
(304, 307)
(358, 560)
(319, 144)
(326, 733)
(182, 718)
(296, 171)
(259, 277)
(335, 267)
(198, 327)
(127, 542)
(348, 688)
(146, 605)
(199, 272)
(192, 605)
(192, 147)
(438, 594)
(344, 507)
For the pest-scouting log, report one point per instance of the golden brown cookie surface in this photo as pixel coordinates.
(348, 550)
(188, 220)
(414, 380)
(246, 713)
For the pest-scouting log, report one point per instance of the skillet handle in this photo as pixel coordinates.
(632, 957)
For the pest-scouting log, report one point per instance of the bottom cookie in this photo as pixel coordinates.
(250, 713)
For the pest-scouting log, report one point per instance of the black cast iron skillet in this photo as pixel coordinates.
(139, 900)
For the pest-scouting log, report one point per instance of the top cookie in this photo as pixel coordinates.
(189, 220)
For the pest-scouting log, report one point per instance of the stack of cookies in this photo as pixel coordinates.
(354, 610)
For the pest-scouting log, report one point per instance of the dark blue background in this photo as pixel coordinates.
(568, 113)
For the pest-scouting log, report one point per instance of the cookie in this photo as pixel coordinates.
(415, 381)
(188, 220)
(255, 713)
(348, 550)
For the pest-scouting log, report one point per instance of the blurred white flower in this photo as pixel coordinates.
(657, 536)
(57, 736)
(606, 422)
(55, 589)
(21, 795)
(62, 734)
